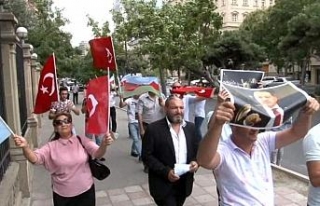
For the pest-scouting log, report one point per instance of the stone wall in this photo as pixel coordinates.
(10, 194)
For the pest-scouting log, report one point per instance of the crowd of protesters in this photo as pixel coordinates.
(166, 140)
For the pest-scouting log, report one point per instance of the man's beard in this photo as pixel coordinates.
(175, 119)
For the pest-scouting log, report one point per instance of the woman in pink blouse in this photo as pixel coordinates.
(67, 162)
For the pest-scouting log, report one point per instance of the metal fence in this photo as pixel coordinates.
(4, 146)
(21, 89)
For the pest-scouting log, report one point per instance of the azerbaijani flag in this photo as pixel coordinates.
(136, 85)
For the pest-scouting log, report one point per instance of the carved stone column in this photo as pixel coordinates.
(27, 77)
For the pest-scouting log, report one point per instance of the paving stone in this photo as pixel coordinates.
(284, 191)
(281, 200)
(145, 187)
(137, 195)
(211, 203)
(136, 188)
(119, 198)
(102, 201)
(41, 196)
(204, 198)
(204, 183)
(190, 201)
(142, 201)
(116, 192)
(124, 203)
(296, 197)
(212, 190)
(101, 193)
(196, 191)
(47, 202)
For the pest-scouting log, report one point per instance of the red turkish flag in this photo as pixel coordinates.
(206, 92)
(97, 105)
(103, 53)
(47, 87)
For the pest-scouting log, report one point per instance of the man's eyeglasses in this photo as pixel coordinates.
(60, 122)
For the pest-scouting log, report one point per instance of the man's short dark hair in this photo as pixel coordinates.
(63, 89)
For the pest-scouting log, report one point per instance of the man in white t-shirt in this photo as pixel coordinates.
(113, 114)
(63, 105)
(241, 164)
(311, 148)
(133, 123)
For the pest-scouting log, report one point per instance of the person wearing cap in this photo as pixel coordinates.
(241, 165)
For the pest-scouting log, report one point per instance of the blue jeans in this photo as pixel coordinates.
(198, 122)
(135, 135)
(96, 138)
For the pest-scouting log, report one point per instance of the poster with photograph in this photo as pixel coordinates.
(265, 108)
(241, 78)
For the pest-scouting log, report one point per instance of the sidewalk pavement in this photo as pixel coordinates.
(127, 184)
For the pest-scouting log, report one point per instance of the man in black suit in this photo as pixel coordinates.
(167, 142)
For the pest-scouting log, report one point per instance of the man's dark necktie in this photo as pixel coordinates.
(277, 120)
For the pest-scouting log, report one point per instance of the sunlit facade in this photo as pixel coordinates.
(234, 12)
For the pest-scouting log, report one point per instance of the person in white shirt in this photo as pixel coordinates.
(75, 92)
(241, 165)
(113, 113)
(133, 123)
(150, 109)
(311, 148)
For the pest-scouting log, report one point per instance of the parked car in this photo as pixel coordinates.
(270, 81)
(201, 81)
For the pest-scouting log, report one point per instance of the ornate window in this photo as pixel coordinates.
(245, 3)
(234, 2)
(223, 2)
(223, 15)
(255, 2)
(263, 4)
(234, 16)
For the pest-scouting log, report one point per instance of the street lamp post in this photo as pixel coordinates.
(22, 33)
(34, 58)
(24, 74)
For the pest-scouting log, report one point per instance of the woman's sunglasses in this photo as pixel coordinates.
(60, 122)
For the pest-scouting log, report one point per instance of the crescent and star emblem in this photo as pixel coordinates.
(45, 89)
(109, 55)
(94, 104)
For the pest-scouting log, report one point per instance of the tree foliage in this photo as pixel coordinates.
(288, 32)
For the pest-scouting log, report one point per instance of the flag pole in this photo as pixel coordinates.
(116, 65)
(56, 76)
(108, 93)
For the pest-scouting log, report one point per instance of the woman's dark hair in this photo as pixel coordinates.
(56, 134)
